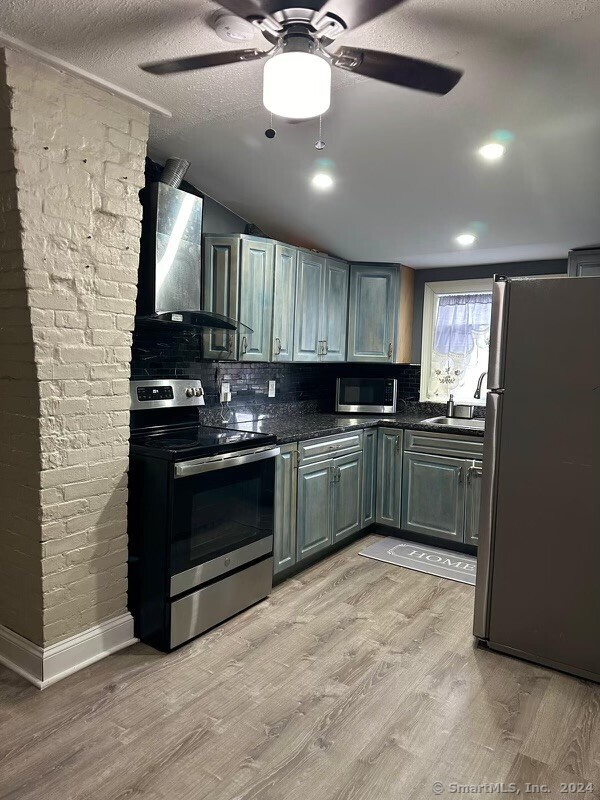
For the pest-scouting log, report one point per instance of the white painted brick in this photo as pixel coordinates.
(70, 240)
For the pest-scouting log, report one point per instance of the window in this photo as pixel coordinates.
(456, 339)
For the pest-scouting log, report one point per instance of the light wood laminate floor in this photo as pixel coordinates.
(356, 680)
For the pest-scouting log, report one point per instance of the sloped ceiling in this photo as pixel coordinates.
(407, 177)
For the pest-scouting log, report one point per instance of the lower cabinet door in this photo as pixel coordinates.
(347, 495)
(369, 482)
(389, 476)
(313, 528)
(433, 495)
(286, 493)
(473, 502)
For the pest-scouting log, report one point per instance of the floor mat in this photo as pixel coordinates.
(423, 558)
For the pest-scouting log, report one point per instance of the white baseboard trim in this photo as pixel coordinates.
(44, 666)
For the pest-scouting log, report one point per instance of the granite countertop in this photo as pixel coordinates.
(294, 428)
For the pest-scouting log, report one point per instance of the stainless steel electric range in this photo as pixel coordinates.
(200, 515)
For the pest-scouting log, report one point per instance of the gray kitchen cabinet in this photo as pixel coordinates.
(441, 485)
(286, 490)
(220, 281)
(380, 314)
(389, 476)
(584, 263)
(369, 486)
(346, 496)
(473, 502)
(321, 312)
(237, 282)
(256, 299)
(433, 496)
(284, 303)
(313, 527)
(310, 287)
(334, 314)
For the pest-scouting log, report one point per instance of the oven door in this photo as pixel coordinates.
(222, 514)
(366, 395)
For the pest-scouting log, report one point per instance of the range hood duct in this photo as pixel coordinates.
(169, 279)
(174, 172)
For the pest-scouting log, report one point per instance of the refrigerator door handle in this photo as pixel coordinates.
(500, 292)
(487, 516)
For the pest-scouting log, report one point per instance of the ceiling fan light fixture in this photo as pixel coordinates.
(297, 85)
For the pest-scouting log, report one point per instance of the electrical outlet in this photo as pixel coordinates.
(225, 393)
(271, 389)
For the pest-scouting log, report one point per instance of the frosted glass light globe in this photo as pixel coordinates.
(297, 85)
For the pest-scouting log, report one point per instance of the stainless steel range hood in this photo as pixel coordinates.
(169, 290)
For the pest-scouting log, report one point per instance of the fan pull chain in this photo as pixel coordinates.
(320, 144)
(271, 133)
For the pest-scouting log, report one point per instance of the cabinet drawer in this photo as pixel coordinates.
(443, 444)
(330, 446)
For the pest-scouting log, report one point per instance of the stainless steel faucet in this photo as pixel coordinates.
(477, 394)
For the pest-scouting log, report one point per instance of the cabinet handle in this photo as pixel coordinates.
(460, 476)
(389, 350)
(325, 348)
(397, 444)
(230, 344)
(244, 346)
(278, 344)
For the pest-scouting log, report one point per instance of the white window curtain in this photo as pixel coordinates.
(459, 340)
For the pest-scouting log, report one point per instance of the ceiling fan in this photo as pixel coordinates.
(297, 73)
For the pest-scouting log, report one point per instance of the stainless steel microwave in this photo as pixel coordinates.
(366, 395)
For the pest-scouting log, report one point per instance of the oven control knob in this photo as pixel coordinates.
(189, 392)
(198, 392)
(227, 562)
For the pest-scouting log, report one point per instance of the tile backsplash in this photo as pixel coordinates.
(177, 355)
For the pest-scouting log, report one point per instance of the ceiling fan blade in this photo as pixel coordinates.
(401, 70)
(355, 12)
(201, 62)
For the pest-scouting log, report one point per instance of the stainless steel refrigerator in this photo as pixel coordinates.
(538, 573)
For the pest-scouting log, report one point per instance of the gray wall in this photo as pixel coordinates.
(218, 219)
(512, 270)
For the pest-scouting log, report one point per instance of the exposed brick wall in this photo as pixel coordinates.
(20, 543)
(78, 161)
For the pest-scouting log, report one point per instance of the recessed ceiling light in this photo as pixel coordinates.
(321, 180)
(492, 151)
(465, 239)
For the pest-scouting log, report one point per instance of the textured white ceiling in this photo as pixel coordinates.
(407, 177)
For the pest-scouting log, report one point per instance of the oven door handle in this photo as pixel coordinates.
(187, 468)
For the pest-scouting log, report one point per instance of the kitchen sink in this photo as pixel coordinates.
(456, 422)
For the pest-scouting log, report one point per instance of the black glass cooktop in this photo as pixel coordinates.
(195, 441)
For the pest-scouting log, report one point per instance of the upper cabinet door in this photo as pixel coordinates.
(284, 302)
(335, 311)
(310, 287)
(584, 263)
(373, 313)
(256, 299)
(220, 282)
